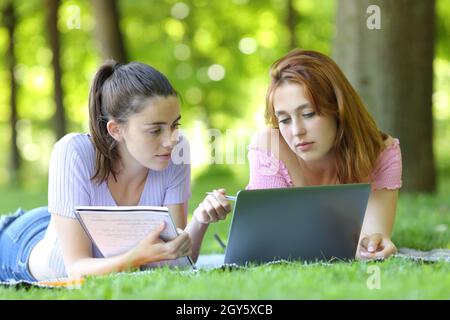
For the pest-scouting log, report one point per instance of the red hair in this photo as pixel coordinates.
(358, 141)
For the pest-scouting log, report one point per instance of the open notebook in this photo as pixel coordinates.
(116, 229)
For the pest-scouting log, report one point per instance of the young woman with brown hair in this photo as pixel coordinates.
(127, 159)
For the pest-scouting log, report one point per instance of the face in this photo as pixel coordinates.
(150, 135)
(309, 135)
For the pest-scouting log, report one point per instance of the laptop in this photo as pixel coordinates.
(319, 223)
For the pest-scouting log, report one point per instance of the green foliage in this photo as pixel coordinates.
(241, 38)
(232, 42)
(443, 29)
(441, 111)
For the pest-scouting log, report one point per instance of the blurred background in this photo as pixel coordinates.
(217, 54)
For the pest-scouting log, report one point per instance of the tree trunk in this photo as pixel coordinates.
(392, 70)
(53, 34)
(291, 22)
(15, 160)
(108, 30)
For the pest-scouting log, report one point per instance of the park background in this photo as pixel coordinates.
(217, 54)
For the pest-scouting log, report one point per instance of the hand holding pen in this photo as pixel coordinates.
(230, 198)
(214, 207)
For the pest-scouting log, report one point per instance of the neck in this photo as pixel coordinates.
(129, 171)
(319, 172)
(131, 177)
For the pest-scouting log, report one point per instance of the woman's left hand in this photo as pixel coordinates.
(375, 246)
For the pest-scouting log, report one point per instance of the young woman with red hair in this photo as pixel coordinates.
(321, 133)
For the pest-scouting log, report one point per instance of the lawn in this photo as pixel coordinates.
(422, 222)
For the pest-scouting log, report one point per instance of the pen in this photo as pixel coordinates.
(227, 197)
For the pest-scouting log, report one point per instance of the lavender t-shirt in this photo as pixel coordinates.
(72, 165)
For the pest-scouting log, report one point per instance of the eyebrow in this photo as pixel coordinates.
(160, 122)
(300, 107)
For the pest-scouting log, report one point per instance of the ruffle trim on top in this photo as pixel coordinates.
(268, 164)
(395, 186)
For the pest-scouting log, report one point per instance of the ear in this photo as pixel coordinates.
(114, 130)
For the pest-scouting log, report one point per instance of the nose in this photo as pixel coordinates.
(298, 127)
(170, 139)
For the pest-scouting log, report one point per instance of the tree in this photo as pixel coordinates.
(291, 22)
(53, 34)
(10, 22)
(108, 30)
(391, 67)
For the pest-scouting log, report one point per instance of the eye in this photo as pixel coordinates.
(176, 125)
(284, 121)
(155, 131)
(309, 115)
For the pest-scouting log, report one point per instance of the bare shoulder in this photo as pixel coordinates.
(266, 139)
(389, 141)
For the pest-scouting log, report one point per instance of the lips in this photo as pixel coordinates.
(302, 144)
(164, 156)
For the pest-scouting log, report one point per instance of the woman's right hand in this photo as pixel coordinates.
(213, 208)
(153, 249)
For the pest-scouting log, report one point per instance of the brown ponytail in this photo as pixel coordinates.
(105, 152)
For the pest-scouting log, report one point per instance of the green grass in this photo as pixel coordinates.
(399, 279)
(422, 222)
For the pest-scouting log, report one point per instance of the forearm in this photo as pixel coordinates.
(376, 224)
(99, 266)
(380, 213)
(196, 231)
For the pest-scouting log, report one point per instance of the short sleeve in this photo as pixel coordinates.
(68, 180)
(388, 169)
(266, 171)
(179, 185)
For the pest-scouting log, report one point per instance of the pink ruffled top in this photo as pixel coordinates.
(267, 171)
